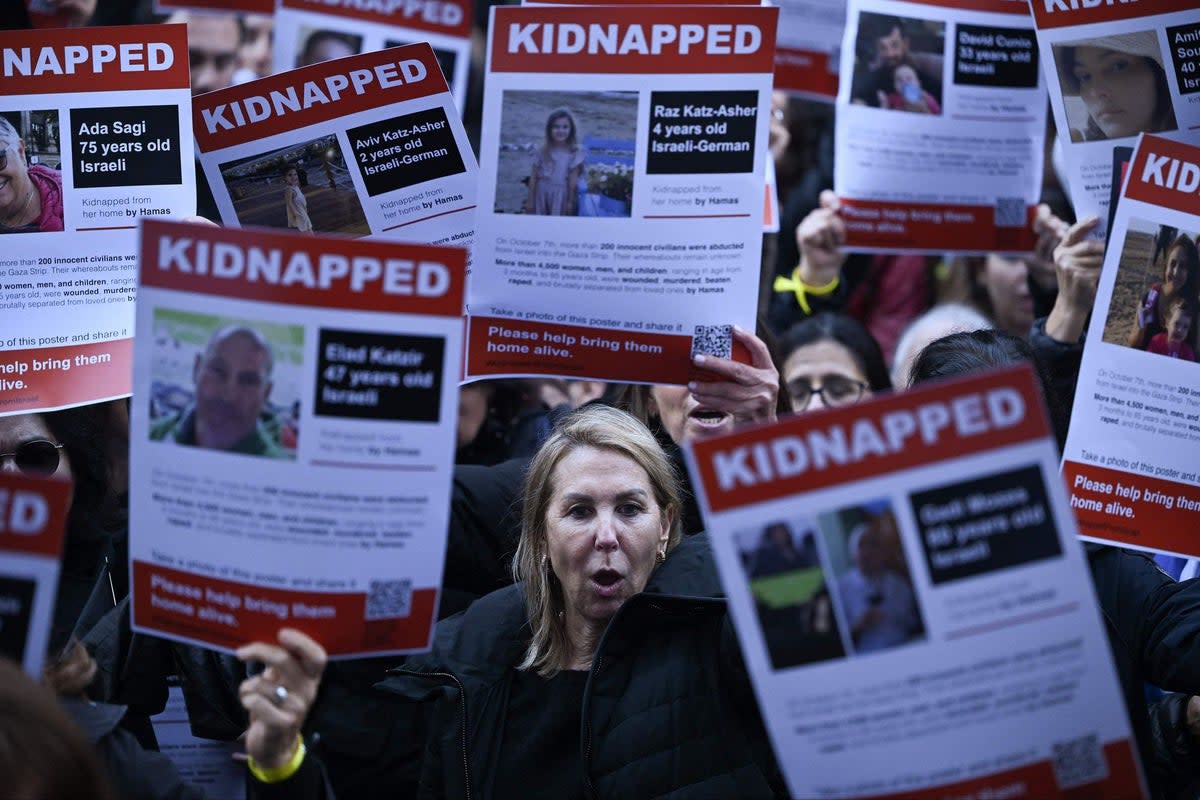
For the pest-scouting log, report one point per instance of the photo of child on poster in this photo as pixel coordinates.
(791, 595)
(872, 585)
(566, 154)
(226, 384)
(1115, 86)
(1156, 296)
(305, 187)
(31, 193)
(898, 63)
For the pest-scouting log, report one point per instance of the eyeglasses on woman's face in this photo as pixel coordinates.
(38, 457)
(835, 390)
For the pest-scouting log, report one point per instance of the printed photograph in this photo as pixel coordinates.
(446, 58)
(872, 586)
(1156, 295)
(318, 44)
(566, 154)
(31, 193)
(305, 187)
(791, 596)
(1114, 86)
(226, 384)
(898, 63)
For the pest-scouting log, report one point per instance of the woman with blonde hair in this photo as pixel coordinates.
(616, 628)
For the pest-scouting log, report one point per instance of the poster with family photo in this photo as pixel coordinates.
(566, 154)
(1156, 294)
(898, 63)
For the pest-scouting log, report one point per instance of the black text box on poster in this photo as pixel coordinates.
(987, 524)
(1184, 44)
(16, 609)
(701, 133)
(991, 56)
(404, 151)
(133, 146)
(364, 375)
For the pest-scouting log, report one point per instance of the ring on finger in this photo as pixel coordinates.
(279, 696)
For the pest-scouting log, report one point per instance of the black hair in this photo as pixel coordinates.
(83, 432)
(315, 38)
(978, 351)
(828, 326)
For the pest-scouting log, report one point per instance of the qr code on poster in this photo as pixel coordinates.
(1079, 761)
(388, 599)
(713, 340)
(1010, 212)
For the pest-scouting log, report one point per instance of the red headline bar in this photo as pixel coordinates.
(319, 93)
(643, 39)
(1061, 13)
(1019, 8)
(294, 269)
(451, 17)
(806, 71)
(888, 434)
(215, 611)
(33, 514)
(124, 58)
(46, 378)
(236, 6)
(1165, 173)
(1134, 509)
(939, 226)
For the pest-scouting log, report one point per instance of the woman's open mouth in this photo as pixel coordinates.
(607, 582)
(708, 417)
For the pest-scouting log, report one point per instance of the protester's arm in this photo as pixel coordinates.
(278, 701)
(1175, 734)
(1077, 262)
(817, 283)
(750, 392)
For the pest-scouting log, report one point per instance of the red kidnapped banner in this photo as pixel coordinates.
(268, 265)
(437, 16)
(230, 614)
(1167, 174)
(931, 226)
(1061, 13)
(33, 514)
(118, 59)
(318, 93)
(922, 426)
(645, 39)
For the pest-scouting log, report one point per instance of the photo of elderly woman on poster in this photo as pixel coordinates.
(31, 195)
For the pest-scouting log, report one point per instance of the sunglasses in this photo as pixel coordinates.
(39, 457)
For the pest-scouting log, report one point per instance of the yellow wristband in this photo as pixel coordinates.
(802, 289)
(281, 773)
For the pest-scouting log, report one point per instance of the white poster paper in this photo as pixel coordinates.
(913, 607)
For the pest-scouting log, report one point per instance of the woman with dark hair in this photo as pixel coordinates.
(1180, 281)
(1122, 83)
(71, 445)
(1151, 621)
(830, 359)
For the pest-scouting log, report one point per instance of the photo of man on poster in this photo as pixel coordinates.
(232, 384)
(890, 64)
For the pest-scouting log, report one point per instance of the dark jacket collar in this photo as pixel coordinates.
(481, 644)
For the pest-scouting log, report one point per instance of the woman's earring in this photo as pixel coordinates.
(661, 556)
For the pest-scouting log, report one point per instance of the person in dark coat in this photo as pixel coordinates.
(617, 629)
(1152, 622)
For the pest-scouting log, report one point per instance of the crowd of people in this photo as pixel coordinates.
(584, 647)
